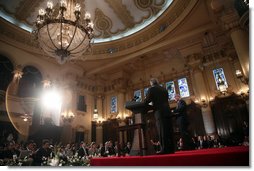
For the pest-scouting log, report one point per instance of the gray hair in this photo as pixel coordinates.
(154, 81)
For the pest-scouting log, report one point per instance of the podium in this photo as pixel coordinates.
(139, 142)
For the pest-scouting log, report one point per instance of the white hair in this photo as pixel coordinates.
(154, 81)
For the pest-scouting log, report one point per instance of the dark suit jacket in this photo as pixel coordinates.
(181, 108)
(41, 152)
(109, 151)
(82, 152)
(159, 96)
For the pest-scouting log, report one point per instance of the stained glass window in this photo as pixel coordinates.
(170, 86)
(220, 78)
(183, 87)
(145, 91)
(137, 96)
(113, 104)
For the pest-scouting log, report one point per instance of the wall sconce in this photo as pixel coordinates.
(17, 73)
(95, 115)
(26, 117)
(243, 95)
(68, 116)
(46, 83)
(240, 76)
(203, 103)
(99, 121)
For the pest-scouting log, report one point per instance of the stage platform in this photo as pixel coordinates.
(227, 156)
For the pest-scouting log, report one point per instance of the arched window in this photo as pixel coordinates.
(31, 82)
(6, 69)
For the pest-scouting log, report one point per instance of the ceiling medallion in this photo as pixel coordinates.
(66, 35)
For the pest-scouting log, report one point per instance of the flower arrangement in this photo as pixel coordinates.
(55, 161)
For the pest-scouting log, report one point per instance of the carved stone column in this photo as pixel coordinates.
(121, 93)
(99, 134)
(194, 61)
(66, 133)
(240, 39)
(99, 104)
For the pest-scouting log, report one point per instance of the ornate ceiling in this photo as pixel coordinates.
(175, 33)
(113, 19)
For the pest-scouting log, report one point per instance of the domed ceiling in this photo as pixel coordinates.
(113, 19)
(129, 34)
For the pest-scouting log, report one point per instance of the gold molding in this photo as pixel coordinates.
(102, 23)
(122, 12)
(25, 9)
(149, 5)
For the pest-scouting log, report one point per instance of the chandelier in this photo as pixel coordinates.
(61, 32)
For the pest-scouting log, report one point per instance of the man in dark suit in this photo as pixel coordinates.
(182, 121)
(83, 151)
(42, 153)
(159, 97)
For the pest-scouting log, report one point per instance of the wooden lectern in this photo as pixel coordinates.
(139, 143)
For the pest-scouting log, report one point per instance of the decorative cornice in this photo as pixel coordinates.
(231, 21)
(24, 9)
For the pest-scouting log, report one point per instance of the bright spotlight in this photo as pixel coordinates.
(51, 99)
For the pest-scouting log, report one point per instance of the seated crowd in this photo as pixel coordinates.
(207, 141)
(10, 151)
(34, 156)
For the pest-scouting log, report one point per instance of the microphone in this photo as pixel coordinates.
(134, 98)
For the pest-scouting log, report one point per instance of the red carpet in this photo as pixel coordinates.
(228, 156)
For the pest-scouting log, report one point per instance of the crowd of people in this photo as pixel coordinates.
(38, 156)
(164, 145)
(207, 141)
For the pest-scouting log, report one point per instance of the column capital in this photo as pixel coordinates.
(194, 61)
(120, 84)
(100, 96)
(231, 21)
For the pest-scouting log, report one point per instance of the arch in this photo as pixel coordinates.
(6, 72)
(81, 134)
(30, 83)
(37, 66)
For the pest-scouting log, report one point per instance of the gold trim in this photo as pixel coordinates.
(102, 23)
(122, 12)
(149, 5)
(25, 9)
